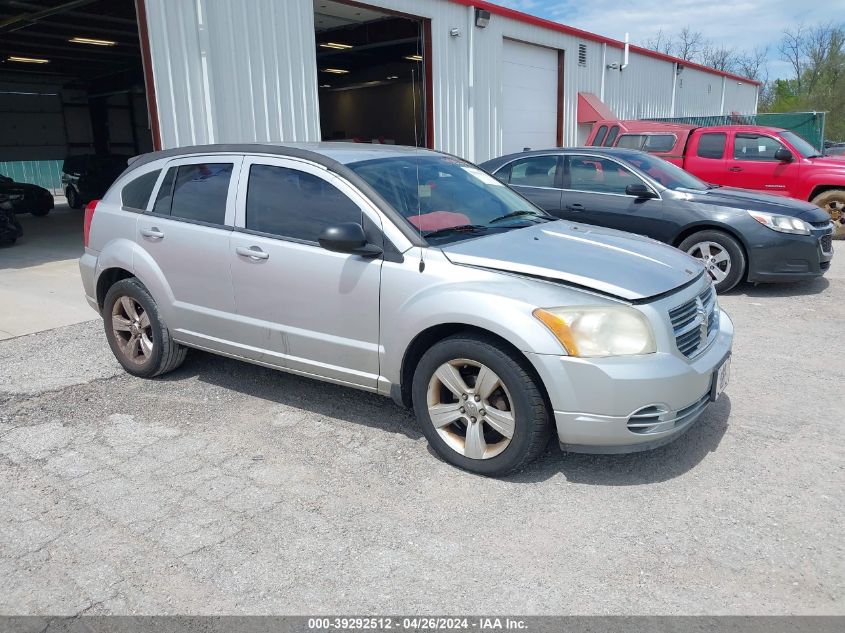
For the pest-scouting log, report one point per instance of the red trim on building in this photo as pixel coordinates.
(147, 63)
(586, 35)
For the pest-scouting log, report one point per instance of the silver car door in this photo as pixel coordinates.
(302, 307)
(184, 245)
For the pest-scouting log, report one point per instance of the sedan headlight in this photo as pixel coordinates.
(599, 331)
(781, 223)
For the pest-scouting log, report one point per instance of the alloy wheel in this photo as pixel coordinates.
(132, 330)
(716, 260)
(471, 409)
(836, 210)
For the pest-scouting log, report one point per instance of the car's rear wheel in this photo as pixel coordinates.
(833, 201)
(722, 256)
(73, 199)
(136, 332)
(480, 407)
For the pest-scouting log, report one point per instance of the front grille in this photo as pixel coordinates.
(826, 242)
(695, 323)
(656, 419)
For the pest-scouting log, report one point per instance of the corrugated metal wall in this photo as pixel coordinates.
(245, 70)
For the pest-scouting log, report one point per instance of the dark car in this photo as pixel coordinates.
(10, 228)
(738, 234)
(88, 176)
(22, 197)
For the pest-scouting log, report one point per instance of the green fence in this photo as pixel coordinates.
(44, 173)
(807, 125)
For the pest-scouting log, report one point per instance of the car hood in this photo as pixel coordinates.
(835, 162)
(624, 265)
(18, 187)
(756, 201)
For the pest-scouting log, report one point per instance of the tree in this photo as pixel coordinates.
(662, 43)
(720, 58)
(689, 45)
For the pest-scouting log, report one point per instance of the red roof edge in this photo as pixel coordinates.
(570, 30)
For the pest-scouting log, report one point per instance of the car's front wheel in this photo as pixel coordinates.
(480, 406)
(721, 254)
(136, 333)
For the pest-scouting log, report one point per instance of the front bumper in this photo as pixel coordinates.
(790, 257)
(594, 398)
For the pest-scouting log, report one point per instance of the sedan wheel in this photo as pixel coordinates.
(132, 330)
(471, 409)
(717, 260)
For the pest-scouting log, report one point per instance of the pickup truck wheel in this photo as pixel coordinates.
(136, 333)
(721, 254)
(479, 406)
(833, 201)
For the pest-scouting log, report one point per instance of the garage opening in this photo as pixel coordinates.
(373, 75)
(71, 84)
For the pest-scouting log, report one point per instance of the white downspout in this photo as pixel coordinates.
(674, 85)
(722, 105)
(471, 81)
(603, 69)
(625, 59)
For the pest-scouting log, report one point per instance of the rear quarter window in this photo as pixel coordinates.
(711, 145)
(136, 194)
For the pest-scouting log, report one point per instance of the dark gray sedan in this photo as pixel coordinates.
(738, 234)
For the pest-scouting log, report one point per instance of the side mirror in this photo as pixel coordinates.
(348, 237)
(639, 190)
(783, 155)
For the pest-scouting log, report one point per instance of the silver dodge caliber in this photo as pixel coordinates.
(415, 275)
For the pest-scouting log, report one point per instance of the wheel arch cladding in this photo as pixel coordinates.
(434, 334)
(820, 189)
(107, 279)
(698, 228)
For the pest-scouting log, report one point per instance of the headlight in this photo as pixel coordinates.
(781, 223)
(595, 331)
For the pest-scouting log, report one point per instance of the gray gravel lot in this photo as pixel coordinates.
(229, 488)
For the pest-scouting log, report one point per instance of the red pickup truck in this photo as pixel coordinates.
(746, 156)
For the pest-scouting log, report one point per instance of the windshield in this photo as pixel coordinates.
(801, 146)
(438, 194)
(667, 174)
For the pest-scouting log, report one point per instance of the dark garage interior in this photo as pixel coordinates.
(372, 75)
(71, 82)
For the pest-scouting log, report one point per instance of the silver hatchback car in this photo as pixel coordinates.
(415, 275)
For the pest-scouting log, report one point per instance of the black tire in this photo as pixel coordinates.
(833, 201)
(73, 199)
(166, 354)
(532, 427)
(40, 213)
(737, 260)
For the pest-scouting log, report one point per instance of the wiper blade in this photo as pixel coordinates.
(461, 228)
(518, 214)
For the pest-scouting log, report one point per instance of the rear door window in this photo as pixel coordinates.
(659, 143)
(136, 194)
(537, 171)
(289, 203)
(711, 145)
(196, 192)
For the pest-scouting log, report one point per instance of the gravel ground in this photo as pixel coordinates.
(229, 488)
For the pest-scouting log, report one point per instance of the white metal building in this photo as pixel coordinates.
(246, 70)
(464, 76)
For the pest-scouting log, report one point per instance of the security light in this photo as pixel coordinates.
(482, 18)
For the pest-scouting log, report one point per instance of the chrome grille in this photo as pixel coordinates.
(695, 323)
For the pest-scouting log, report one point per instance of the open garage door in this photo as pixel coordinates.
(531, 97)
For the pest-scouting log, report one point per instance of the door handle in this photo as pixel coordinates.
(575, 207)
(152, 233)
(734, 168)
(253, 252)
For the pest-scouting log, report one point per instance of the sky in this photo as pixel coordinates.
(743, 24)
